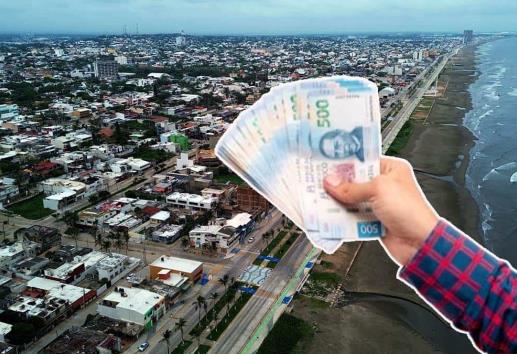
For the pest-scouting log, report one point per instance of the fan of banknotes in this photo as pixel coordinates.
(287, 142)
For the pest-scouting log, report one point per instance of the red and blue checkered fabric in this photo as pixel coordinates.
(468, 285)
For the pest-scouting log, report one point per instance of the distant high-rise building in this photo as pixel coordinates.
(105, 69)
(468, 36)
(181, 40)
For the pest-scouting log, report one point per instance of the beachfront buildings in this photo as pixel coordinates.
(164, 266)
(214, 237)
(133, 305)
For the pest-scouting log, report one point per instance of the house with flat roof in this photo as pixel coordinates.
(133, 305)
(74, 296)
(191, 201)
(215, 237)
(182, 266)
(167, 233)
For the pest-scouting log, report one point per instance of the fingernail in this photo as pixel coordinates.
(334, 179)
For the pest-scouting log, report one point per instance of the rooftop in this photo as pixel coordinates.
(139, 300)
(70, 293)
(178, 264)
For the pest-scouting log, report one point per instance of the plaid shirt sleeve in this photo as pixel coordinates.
(468, 285)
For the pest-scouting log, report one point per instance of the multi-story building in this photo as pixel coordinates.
(105, 69)
(251, 201)
(133, 305)
(214, 237)
(468, 36)
(191, 201)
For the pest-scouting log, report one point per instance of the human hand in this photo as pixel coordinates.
(398, 202)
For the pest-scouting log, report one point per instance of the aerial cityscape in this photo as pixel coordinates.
(123, 232)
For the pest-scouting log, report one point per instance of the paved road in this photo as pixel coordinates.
(232, 266)
(243, 326)
(390, 132)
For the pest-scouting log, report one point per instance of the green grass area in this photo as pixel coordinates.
(274, 243)
(401, 140)
(332, 279)
(283, 249)
(287, 244)
(151, 155)
(182, 348)
(229, 177)
(31, 208)
(228, 318)
(326, 264)
(203, 349)
(286, 336)
(200, 326)
(316, 303)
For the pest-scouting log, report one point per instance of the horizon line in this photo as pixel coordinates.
(232, 34)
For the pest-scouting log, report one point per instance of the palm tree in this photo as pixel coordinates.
(123, 236)
(106, 244)
(224, 280)
(200, 301)
(74, 233)
(215, 317)
(99, 237)
(118, 241)
(70, 218)
(94, 231)
(180, 325)
(213, 297)
(166, 336)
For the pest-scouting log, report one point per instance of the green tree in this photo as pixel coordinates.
(166, 335)
(21, 333)
(180, 325)
(200, 304)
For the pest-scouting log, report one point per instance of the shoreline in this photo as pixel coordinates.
(441, 147)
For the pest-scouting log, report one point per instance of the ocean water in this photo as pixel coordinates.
(492, 172)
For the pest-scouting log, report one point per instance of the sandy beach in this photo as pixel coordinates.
(379, 313)
(439, 147)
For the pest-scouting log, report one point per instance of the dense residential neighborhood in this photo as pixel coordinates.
(118, 220)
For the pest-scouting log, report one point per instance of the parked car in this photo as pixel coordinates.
(143, 346)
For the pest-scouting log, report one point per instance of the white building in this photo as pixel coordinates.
(133, 305)
(59, 201)
(15, 252)
(160, 217)
(5, 328)
(191, 201)
(216, 237)
(129, 164)
(8, 188)
(167, 233)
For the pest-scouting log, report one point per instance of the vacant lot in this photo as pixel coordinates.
(31, 208)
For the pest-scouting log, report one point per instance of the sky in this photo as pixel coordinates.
(256, 16)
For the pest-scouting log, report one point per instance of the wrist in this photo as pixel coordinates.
(423, 229)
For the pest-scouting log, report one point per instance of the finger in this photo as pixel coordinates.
(346, 192)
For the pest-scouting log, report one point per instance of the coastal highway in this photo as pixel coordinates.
(236, 336)
(390, 132)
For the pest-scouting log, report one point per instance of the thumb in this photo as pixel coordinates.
(347, 192)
